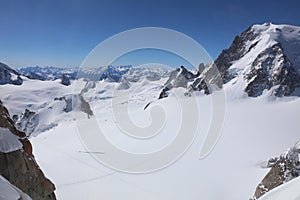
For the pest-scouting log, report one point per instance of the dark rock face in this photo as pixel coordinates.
(263, 75)
(234, 52)
(22, 171)
(65, 80)
(9, 76)
(19, 167)
(282, 170)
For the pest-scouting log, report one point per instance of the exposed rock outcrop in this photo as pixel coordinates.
(76, 103)
(17, 163)
(124, 84)
(65, 80)
(26, 121)
(237, 49)
(206, 79)
(282, 169)
(263, 74)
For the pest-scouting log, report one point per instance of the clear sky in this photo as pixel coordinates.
(63, 32)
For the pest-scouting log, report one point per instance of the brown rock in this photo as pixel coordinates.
(20, 168)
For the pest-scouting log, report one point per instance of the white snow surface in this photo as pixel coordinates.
(287, 191)
(11, 192)
(287, 35)
(8, 141)
(255, 129)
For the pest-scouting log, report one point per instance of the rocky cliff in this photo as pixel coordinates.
(282, 169)
(17, 163)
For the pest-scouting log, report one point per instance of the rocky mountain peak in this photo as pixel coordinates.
(270, 69)
(206, 79)
(180, 77)
(237, 49)
(264, 57)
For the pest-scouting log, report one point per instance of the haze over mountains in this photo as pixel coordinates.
(259, 72)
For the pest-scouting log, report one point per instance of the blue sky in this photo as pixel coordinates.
(62, 33)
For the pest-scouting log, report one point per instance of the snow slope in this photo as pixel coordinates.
(231, 171)
(11, 192)
(8, 141)
(286, 191)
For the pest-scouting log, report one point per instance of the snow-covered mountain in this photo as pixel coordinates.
(39, 105)
(9, 76)
(49, 115)
(263, 58)
(47, 73)
(118, 73)
(109, 73)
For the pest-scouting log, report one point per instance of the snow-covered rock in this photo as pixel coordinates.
(9, 76)
(264, 57)
(26, 121)
(65, 80)
(124, 84)
(282, 169)
(206, 79)
(286, 191)
(50, 114)
(180, 77)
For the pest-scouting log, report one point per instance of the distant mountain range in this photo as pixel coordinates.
(111, 73)
(264, 58)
